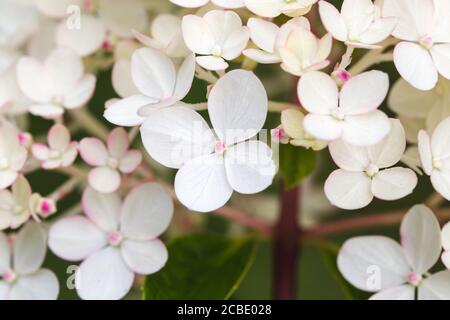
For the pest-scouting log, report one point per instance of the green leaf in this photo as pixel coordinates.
(295, 164)
(329, 254)
(202, 267)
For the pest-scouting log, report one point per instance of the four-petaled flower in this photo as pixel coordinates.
(115, 240)
(110, 160)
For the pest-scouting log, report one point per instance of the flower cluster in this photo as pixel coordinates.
(54, 54)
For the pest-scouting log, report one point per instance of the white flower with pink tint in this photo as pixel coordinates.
(166, 36)
(21, 258)
(115, 239)
(60, 152)
(349, 114)
(359, 24)
(12, 154)
(214, 163)
(273, 8)
(216, 38)
(424, 29)
(365, 172)
(15, 207)
(115, 20)
(435, 157)
(228, 4)
(110, 160)
(395, 272)
(159, 83)
(57, 84)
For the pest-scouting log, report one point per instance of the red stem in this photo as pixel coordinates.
(286, 246)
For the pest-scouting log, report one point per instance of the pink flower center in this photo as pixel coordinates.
(278, 134)
(9, 276)
(115, 238)
(113, 163)
(414, 278)
(220, 147)
(46, 207)
(24, 138)
(426, 42)
(343, 75)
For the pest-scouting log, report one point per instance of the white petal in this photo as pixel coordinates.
(153, 73)
(104, 276)
(164, 29)
(441, 27)
(366, 129)
(265, 8)
(56, 8)
(118, 143)
(104, 179)
(58, 137)
(75, 238)
(420, 238)
(435, 287)
(40, 151)
(237, 106)
(85, 40)
(379, 30)
(426, 157)
(5, 254)
(81, 93)
(445, 236)
(348, 190)
(102, 209)
(121, 18)
(364, 93)
(261, 56)
(440, 179)
(130, 161)
(40, 285)
(415, 65)
(323, 127)
(441, 58)
(33, 81)
(4, 290)
(197, 34)
(263, 33)
(174, 135)
(64, 68)
(144, 257)
(391, 149)
(229, 4)
(125, 112)
(7, 177)
(404, 292)
(121, 79)
(349, 157)
(46, 111)
(185, 77)
(212, 63)
(363, 257)
(147, 212)
(30, 246)
(394, 183)
(202, 185)
(93, 151)
(190, 3)
(249, 166)
(414, 17)
(333, 21)
(318, 92)
(440, 140)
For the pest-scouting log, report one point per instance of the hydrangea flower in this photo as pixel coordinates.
(159, 83)
(116, 19)
(228, 4)
(60, 152)
(115, 239)
(21, 258)
(292, 124)
(361, 178)
(351, 114)
(359, 24)
(166, 36)
(218, 36)
(214, 163)
(109, 161)
(57, 84)
(379, 264)
(425, 33)
(420, 109)
(273, 8)
(435, 157)
(12, 154)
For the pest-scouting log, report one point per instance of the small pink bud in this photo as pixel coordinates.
(46, 207)
(414, 278)
(25, 139)
(279, 135)
(9, 276)
(343, 76)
